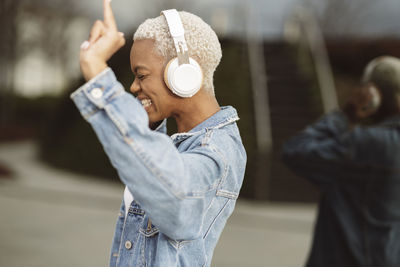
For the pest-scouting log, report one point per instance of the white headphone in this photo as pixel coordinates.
(182, 74)
(376, 100)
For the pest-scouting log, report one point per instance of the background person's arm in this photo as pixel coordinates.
(318, 151)
(321, 151)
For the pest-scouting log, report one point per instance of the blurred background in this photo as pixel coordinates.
(285, 63)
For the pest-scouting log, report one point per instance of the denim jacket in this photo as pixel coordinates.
(358, 173)
(184, 187)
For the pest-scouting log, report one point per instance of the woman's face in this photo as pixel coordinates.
(149, 86)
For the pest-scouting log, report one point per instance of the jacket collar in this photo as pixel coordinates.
(225, 116)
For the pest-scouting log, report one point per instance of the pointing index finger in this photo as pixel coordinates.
(109, 19)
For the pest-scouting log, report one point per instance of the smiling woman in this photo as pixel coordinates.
(180, 190)
(149, 86)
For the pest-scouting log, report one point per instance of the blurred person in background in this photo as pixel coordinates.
(180, 190)
(353, 156)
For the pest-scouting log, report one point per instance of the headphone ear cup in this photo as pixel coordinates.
(166, 74)
(184, 80)
(375, 98)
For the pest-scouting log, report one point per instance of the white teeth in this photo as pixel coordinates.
(146, 102)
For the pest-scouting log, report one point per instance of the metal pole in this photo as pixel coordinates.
(261, 103)
(321, 60)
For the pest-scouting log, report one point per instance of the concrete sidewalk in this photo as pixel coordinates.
(55, 218)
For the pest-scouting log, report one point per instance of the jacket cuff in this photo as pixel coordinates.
(97, 92)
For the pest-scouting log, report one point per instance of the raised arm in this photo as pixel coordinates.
(317, 151)
(174, 188)
(104, 41)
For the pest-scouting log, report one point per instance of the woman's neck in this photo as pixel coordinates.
(195, 110)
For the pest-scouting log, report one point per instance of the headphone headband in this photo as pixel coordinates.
(178, 34)
(174, 22)
(182, 75)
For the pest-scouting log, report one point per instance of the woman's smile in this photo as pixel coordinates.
(146, 103)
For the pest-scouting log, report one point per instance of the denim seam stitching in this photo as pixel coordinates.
(207, 210)
(114, 95)
(121, 241)
(207, 137)
(91, 81)
(173, 243)
(225, 172)
(115, 120)
(221, 124)
(178, 244)
(150, 233)
(228, 121)
(142, 251)
(227, 194)
(215, 219)
(90, 113)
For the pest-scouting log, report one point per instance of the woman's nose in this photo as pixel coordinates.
(135, 88)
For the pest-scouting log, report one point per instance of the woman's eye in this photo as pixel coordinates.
(140, 76)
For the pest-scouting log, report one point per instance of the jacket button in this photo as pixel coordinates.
(128, 244)
(97, 93)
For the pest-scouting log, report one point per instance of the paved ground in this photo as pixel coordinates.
(54, 218)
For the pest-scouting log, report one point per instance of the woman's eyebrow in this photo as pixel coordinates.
(140, 67)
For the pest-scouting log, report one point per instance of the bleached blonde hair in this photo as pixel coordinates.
(384, 72)
(201, 40)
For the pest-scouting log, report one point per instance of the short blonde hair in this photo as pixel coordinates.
(201, 40)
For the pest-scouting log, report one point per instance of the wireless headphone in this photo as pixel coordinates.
(375, 101)
(182, 74)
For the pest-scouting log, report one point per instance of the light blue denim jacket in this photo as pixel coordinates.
(186, 184)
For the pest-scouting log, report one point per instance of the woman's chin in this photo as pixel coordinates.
(148, 108)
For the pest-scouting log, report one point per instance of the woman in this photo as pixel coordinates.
(180, 190)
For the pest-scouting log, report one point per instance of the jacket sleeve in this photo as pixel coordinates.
(319, 151)
(169, 185)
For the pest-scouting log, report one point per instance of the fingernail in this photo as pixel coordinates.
(85, 45)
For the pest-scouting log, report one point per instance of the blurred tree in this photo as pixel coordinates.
(46, 36)
(30, 27)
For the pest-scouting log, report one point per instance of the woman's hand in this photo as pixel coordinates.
(363, 103)
(103, 42)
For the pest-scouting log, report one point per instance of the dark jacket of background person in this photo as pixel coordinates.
(353, 156)
(358, 173)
